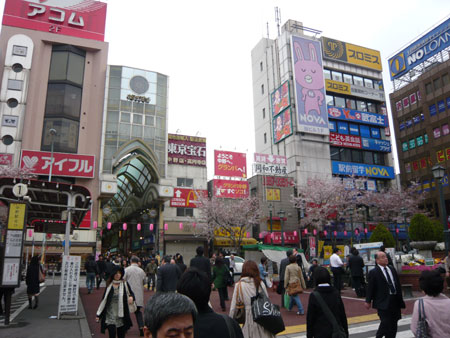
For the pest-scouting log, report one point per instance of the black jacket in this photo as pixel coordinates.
(91, 266)
(168, 276)
(32, 279)
(317, 324)
(283, 264)
(356, 265)
(210, 324)
(378, 290)
(202, 263)
(126, 312)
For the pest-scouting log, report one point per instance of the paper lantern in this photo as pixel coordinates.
(345, 232)
(306, 231)
(101, 233)
(315, 232)
(151, 227)
(108, 226)
(30, 233)
(335, 233)
(295, 233)
(396, 230)
(139, 227)
(261, 235)
(325, 233)
(365, 230)
(181, 226)
(95, 224)
(356, 231)
(166, 226)
(194, 225)
(124, 226)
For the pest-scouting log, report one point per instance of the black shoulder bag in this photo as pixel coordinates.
(338, 330)
(266, 314)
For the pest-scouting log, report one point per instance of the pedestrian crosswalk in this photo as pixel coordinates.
(18, 303)
(369, 330)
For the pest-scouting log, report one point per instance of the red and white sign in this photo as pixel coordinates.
(231, 189)
(278, 181)
(349, 141)
(270, 159)
(185, 198)
(6, 159)
(80, 18)
(230, 164)
(312, 246)
(186, 150)
(290, 237)
(70, 165)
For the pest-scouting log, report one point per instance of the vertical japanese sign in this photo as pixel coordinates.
(70, 282)
(312, 246)
(13, 247)
(230, 164)
(309, 86)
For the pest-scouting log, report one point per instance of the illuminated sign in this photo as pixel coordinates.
(420, 50)
(80, 18)
(351, 115)
(365, 170)
(349, 53)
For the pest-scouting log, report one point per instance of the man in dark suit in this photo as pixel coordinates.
(201, 262)
(168, 276)
(356, 265)
(385, 294)
(283, 264)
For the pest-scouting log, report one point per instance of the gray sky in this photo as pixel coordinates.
(204, 47)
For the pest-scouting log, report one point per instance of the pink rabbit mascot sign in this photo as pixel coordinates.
(309, 86)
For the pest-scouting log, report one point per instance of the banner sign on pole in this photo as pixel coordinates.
(70, 282)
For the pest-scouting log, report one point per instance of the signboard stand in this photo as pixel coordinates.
(70, 283)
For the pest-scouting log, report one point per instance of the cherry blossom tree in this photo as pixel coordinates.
(21, 173)
(231, 217)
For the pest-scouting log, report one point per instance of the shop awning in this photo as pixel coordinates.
(224, 241)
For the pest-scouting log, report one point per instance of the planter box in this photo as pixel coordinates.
(410, 278)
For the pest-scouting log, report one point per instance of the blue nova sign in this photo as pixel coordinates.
(364, 170)
(420, 50)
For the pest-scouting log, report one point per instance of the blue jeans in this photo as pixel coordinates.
(90, 280)
(297, 301)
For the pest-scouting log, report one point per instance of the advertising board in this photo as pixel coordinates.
(280, 99)
(351, 115)
(186, 150)
(230, 164)
(186, 198)
(270, 159)
(230, 189)
(365, 170)
(282, 126)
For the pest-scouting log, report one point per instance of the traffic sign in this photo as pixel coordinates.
(20, 190)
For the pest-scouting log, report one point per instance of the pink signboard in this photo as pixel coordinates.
(348, 141)
(278, 181)
(270, 159)
(185, 198)
(230, 189)
(80, 18)
(70, 165)
(6, 159)
(230, 164)
(186, 150)
(290, 237)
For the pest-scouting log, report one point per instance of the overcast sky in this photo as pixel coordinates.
(204, 47)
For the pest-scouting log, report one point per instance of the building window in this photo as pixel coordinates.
(339, 102)
(437, 83)
(264, 113)
(368, 83)
(428, 88)
(336, 76)
(445, 79)
(358, 80)
(185, 182)
(181, 212)
(261, 66)
(262, 89)
(15, 84)
(327, 74)
(265, 138)
(348, 78)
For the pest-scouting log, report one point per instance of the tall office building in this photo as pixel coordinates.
(320, 102)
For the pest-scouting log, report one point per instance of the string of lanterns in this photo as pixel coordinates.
(139, 226)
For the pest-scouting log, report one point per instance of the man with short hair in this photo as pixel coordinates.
(283, 264)
(167, 276)
(135, 277)
(150, 270)
(337, 268)
(169, 315)
(201, 262)
(101, 269)
(385, 293)
(197, 286)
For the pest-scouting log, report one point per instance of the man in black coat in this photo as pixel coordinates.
(356, 266)
(385, 293)
(283, 264)
(201, 262)
(168, 276)
(101, 269)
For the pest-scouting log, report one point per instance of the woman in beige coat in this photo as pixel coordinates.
(293, 274)
(248, 285)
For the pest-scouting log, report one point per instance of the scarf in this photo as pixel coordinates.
(102, 305)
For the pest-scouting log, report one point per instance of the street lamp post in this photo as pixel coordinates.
(281, 213)
(271, 227)
(52, 135)
(350, 212)
(439, 173)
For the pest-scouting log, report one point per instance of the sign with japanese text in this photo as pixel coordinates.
(309, 86)
(312, 246)
(80, 18)
(233, 231)
(16, 218)
(186, 150)
(230, 189)
(365, 170)
(11, 272)
(349, 53)
(270, 159)
(230, 164)
(6, 159)
(70, 282)
(357, 116)
(270, 169)
(290, 237)
(278, 181)
(348, 141)
(282, 126)
(273, 194)
(280, 99)
(70, 165)
(13, 246)
(185, 198)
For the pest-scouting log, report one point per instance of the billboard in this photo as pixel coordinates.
(309, 86)
(6, 159)
(186, 198)
(270, 159)
(282, 126)
(351, 115)
(270, 169)
(343, 51)
(80, 18)
(357, 142)
(230, 164)
(230, 189)
(350, 89)
(280, 99)
(186, 150)
(70, 165)
(420, 50)
(365, 170)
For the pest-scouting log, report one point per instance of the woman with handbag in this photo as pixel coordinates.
(116, 305)
(433, 308)
(294, 283)
(325, 316)
(34, 277)
(244, 290)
